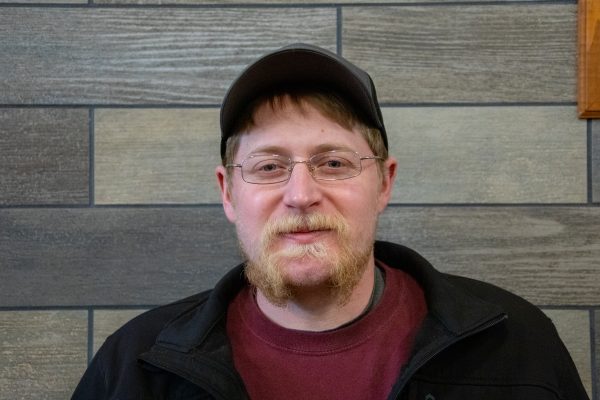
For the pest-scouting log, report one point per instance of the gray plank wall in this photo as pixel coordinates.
(109, 136)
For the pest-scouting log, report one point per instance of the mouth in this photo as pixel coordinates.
(304, 235)
(304, 230)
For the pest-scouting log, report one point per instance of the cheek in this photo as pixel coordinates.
(251, 215)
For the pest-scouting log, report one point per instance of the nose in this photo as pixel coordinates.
(301, 190)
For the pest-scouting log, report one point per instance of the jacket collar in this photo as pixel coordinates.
(456, 310)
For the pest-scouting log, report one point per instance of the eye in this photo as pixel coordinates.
(331, 162)
(268, 167)
(334, 163)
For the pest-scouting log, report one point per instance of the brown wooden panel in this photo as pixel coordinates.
(42, 353)
(150, 256)
(588, 96)
(133, 55)
(595, 150)
(549, 255)
(111, 256)
(108, 321)
(573, 326)
(466, 53)
(488, 154)
(43, 156)
(156, 156)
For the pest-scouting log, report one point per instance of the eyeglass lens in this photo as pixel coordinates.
(331, 165)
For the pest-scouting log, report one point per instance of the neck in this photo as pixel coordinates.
(316, 309)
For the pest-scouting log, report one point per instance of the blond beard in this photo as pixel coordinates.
(266, 271)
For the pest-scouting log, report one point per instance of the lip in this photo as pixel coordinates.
(304, 237)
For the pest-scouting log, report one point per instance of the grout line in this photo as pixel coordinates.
(339, 50)
(91, 157)
(81, 307)
(114, 105)
(339, 31)
(90, 350)
(96, 307)
(590, 188)
(91, 4)
(218, 205)
(491, 205)
(594, 367)
(478, 104)
(42, 308)
(76, 206)
(579, 307)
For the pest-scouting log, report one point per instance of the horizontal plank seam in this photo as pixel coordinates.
(217, 106)
(125, 307)
(219, 205)
(87, 206)
(110, 106)
(87, 307)
(91, 4)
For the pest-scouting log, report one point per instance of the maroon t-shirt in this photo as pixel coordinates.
(357, 361)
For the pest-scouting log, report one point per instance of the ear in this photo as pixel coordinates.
(226, 198)
(387, 182)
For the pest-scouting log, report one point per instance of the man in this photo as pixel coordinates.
(319, 310)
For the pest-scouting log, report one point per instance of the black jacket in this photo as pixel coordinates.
(477, 342)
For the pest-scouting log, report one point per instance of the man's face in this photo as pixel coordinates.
(304, 235)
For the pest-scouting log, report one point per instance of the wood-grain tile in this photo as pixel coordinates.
(228, 2)
(42, 353)
(147, 256)
(597, 353)
(595, 167)
(156, 156)
(44, 1)
(466, 53)
(142, 55)
(111, 256)
(549, 255)
(43, 156)
(108, 321)
(573, 327)
(488, 154)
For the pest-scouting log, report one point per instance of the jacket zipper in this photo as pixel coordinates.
(410, 372)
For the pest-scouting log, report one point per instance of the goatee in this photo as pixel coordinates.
(346, 265)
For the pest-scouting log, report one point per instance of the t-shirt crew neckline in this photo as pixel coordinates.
(393, 301)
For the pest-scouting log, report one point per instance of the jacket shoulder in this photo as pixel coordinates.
(514, 305)
(524, 348)
(140, 333)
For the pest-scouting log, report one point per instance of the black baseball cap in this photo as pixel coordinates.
(299, 65)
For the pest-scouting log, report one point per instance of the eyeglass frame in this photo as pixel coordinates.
(308, 163)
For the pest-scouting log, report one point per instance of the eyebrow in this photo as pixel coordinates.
(286, 152)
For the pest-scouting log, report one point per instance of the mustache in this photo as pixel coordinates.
(305, 223)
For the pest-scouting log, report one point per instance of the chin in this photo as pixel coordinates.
(306, 272)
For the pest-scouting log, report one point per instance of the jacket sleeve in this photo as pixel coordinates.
(92, 385)
(568, 376)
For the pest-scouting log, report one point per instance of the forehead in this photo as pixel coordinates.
(297, 129)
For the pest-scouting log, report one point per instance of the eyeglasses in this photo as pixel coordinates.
(263, 169)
